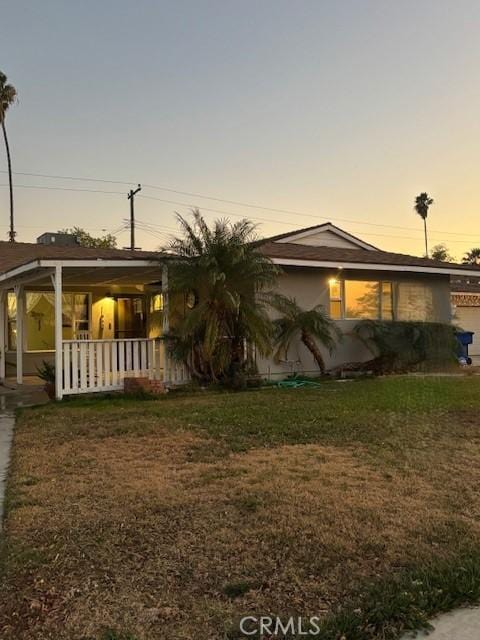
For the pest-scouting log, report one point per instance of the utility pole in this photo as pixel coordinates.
(131, 197)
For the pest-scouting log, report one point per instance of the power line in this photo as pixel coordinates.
(143, 226)
(231, 213)
(219, 211)
(76, 178)
(44, 187)
(203, 196)
(216, 199)
(156, 225)
(118, 231)
(239, 215)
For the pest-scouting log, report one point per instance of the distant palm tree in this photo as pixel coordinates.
(472, 256)
(8, 96)
(310, 325)
(422, 203)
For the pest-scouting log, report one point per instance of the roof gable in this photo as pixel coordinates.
(323, 235)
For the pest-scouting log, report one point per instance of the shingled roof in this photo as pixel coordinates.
(337, 255)
(466, 285)
(16, 254)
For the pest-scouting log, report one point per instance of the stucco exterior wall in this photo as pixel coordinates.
(310, 286)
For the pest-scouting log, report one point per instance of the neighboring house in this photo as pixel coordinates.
(466, 309)
(353, 280)
(100, 314)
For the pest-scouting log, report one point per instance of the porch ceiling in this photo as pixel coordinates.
(99, 276)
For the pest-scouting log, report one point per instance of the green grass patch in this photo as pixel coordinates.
(407, 601)
(385, 412)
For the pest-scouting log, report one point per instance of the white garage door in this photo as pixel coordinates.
(468, 318)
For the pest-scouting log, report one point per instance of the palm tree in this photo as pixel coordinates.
(224, 280)
(472, 256)
(309, 325)
(422, 203)
(8, 96)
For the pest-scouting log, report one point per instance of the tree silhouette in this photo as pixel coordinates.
(472, 256)
(8, 96)
(421, 206)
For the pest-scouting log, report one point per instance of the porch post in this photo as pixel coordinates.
(19, 296)
(166, 322)
(2, 334)
(58, 333)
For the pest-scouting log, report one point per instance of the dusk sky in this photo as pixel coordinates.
(337, 110)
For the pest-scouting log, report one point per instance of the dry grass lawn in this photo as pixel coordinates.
(173, 518)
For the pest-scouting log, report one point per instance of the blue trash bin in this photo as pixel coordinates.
(464, 339)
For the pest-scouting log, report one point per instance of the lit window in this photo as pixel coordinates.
(335, 298)
(361, 299)
(387, 301)
(156, 302)
(12, 321)
(40, 318)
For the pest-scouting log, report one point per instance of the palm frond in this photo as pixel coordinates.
(308, 324)
(229, 275)
(8, 96)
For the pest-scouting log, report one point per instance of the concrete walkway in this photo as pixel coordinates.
(462, 624)
(11, 397)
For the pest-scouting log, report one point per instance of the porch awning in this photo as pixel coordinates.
(95, 272)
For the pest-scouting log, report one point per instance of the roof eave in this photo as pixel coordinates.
(372, 266)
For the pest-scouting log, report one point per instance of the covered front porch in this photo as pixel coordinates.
(97, 321)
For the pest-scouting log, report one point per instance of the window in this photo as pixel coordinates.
(361, 299)
(40, 319)
(12, 321)
(81, 313)
(386, 302)
(335, 298)
(156, 302)
(414, 301)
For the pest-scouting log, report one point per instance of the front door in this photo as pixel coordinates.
(130, 317)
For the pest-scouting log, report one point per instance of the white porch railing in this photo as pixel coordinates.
(91, 366)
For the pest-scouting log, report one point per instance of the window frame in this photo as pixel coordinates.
(342, 299)
(25, 324)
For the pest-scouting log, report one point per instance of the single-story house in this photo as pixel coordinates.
(100, 314)
(352, 279)
(466, 309)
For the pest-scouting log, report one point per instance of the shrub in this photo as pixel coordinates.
(402, 346)
(46, 372)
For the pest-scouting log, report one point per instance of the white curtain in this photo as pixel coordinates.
(414, 301)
